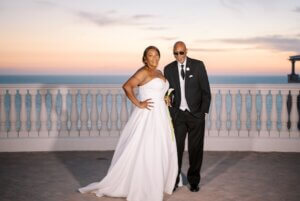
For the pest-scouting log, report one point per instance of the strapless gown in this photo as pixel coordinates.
(144, 165)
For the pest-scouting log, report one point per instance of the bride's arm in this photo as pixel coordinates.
(133, 82)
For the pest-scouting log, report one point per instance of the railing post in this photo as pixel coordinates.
(223, 131)
(53, 115)
(23, 129)
(294, 132)
(84, 114)
(244, 132)
(104, 114)
(234, 130)
(13, 114)
(264, 131)
(3, 130)
(33, 116)
(114, 131)
(274, 131)
(43, 132)
(284, 132)
(213, 131)
(124, 112)
(64, 114)
(74, 132)
(94, 114)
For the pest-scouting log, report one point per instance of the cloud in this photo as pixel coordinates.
(153, 28)
(231, 4)
(142, 16)
(272, 42)
(167, 38)
(112, 18)
(108, 18)
(46, 3)
(297, 9)
(217, 49)
(275, 42)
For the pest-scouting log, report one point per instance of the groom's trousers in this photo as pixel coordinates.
(187, 124)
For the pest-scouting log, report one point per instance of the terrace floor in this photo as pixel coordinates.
(226, 176)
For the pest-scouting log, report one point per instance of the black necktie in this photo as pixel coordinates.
(182, 71)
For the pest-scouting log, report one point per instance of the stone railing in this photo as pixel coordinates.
(91, 117)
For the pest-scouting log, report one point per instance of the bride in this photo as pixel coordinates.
(144, 165)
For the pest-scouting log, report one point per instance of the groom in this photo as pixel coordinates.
(189, 104)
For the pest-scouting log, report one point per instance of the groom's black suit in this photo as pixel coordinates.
(197, 94)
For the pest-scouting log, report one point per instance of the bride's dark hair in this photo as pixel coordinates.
(147, 50)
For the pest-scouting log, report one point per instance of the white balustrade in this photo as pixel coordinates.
(98, 126)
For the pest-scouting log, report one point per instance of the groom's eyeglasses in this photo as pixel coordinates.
(177, 53)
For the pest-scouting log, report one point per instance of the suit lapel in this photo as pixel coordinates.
(188, 72)
(176, 79)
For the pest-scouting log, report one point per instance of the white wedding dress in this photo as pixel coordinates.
(144, 165)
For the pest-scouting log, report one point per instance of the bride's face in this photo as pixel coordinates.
(152, 58)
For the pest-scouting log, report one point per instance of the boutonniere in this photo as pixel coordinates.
(187, 69)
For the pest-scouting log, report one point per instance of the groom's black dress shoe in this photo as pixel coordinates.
(194, 188)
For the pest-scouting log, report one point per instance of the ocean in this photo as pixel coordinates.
(119, 79)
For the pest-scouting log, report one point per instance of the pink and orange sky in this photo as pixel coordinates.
(108, 37)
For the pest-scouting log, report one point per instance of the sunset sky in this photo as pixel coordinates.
(108, 37)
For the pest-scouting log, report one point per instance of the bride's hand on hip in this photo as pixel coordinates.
(146, 104)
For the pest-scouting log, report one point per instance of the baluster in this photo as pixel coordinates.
(274, 115)
(114, 131)
(74, 115)
(13, 114)
(258, 102)
(94, 114)
(53, 115)
(264, 131)
(208, 121)
(228, 111)
(84, 114)
(213, 130)
(223, 131)
(124, 112)
(23, 118)
(43, 115)
(269, 103)
(284, 132)
(64, 114)
(238, 108)
(218, 110)
(3, 130)
(244, 132)
(33, 116)
(294, 132)
(234, 114)
(104, 114)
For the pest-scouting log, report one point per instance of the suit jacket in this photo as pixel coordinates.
(197, 89)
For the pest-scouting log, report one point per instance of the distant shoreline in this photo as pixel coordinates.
(119, 79)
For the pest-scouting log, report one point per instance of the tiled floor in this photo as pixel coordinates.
(226, 176)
